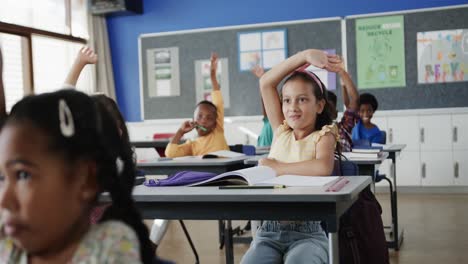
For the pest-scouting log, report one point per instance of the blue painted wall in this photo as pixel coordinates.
(171, 15)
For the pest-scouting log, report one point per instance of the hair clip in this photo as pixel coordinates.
(67, 126)
(119, 164)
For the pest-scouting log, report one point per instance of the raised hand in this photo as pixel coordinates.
(86, 56)
(318, 58)
(335, 64)
(214, 63)
(258, 71)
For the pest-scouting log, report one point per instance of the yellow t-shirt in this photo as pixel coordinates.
(214, 141)
(286, 148)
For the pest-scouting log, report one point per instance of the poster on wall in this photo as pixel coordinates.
(380, 49)
(203, 80)
(163, 72)
(264, 48)
(442, 56)
(327, 78)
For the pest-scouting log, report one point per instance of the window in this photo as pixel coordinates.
(39, 41)
(14, 77)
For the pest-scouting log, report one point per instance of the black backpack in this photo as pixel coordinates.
(361, 235)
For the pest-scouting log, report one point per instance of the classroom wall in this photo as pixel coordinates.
(170, 15)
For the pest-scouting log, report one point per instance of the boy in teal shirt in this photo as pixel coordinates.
(266, 135)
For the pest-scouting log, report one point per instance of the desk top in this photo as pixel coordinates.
(394, 148)
(378, 160)
(195, 161)
(156, 143)
(185, 194)
(254, 160)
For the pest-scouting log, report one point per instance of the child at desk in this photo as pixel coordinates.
(58, 152)
(208, 122)
(266, 135)
(350, 99)
(365, 130)
(302, 123)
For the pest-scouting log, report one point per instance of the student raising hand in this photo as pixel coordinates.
(258, 71)
(85, 56)
(213, 70)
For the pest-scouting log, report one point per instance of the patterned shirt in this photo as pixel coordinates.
(107, 242)
(345, 128)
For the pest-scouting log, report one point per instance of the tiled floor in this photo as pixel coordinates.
(436, 231)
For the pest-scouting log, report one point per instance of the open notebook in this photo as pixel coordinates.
(263, 175)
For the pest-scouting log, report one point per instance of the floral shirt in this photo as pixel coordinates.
(107, 242)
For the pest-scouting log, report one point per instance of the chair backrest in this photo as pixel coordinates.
(384, 136)
(345, 168)
(163, 135)
(248, 150)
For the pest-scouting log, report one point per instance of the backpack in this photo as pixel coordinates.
(361, 235)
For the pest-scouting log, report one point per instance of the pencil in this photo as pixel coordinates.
(237, 187)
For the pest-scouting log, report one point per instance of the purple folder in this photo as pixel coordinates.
(181, 178)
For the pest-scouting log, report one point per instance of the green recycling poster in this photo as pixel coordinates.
(380, 48)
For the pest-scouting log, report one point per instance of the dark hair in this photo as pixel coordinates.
(332, 97)
(111, 107)
(367, 98)
(206, 102)
(96, 138)
(324, 118)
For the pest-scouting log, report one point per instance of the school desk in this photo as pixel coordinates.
(289, 204)
(216, 165)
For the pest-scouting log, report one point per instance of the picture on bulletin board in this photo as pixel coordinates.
(442, 56)
(327, 78)
(163, 72)
(380, 49)
(203, 83)
(264, 48)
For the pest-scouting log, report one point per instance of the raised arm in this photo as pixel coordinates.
(2, 91)
(213, 69)
(271, 79)
(349, 91)
(258, 71)
(85, 56)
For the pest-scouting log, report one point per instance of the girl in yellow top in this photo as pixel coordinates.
(303, 144)
(208, 121)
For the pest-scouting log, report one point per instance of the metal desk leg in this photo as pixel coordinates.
(228, 245)
(333, 254)
(396, 232)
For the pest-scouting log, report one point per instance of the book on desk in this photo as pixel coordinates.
(254, 176)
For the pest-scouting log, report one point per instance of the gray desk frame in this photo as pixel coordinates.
(219, 165)
(210, 203)
(398, 232)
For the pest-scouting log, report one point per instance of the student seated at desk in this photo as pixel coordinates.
(350, 99)
(58, 152)
(304, 144)
(208, 122)
(266, 135)
(365, 130)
